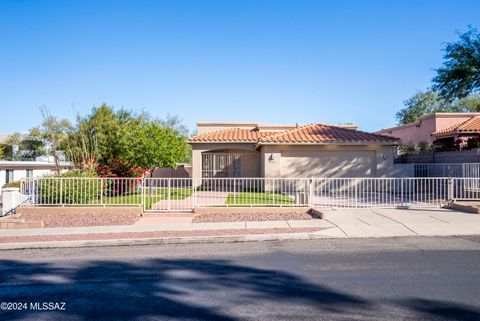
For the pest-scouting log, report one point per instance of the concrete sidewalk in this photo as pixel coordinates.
(403, 222)
(168, 227)
(342, 223)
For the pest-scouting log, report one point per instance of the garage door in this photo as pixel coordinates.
(328, 163)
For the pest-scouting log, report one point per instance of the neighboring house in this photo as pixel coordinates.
(11, 171)
(283, 151)
(423, 129)
(463, 131)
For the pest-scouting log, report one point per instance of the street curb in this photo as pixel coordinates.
(166, 240)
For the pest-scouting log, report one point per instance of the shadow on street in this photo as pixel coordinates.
(187, 290)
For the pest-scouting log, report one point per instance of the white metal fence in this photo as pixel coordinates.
(184, 194)
(82, 191)
(470, 170)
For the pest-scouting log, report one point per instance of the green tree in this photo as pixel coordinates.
(153, 143)
(54, 132)
(121, 142)
(470, 103)
(424, 103)
(421, 104)
(13, 141)
(94, 137)
(460, 74)
(32, 145)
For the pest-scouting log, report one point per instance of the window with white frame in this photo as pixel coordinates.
(9, 176)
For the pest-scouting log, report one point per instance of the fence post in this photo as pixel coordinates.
(401, 191)
(356, 192)
(194, 193)
(310, 193)
(101, 191)
(33, 187)
(61, 191)
(142, 202)
(234, 192)
(168, 191)
(450, 189)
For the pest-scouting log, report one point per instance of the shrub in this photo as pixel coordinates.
(473, 142)
(424, 147)
(12, 184)
(406, 149)
(62, 190)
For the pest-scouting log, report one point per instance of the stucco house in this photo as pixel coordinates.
(427, 128)
(289, 151)
(462, 131)
(11, 171)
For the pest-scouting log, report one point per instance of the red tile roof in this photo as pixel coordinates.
(308, 134)
(319, 133)
(231, 135)
(471, 125)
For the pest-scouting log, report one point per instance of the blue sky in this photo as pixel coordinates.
(269, 61)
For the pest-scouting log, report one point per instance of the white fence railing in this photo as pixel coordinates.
(470, 170)
(184, 194)
(83, 191)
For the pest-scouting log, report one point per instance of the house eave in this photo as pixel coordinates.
(358, 143)
(455, 133)
(221, 142)
(295, 143)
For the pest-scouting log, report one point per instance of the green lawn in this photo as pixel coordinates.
(260, 198)
(151, 197)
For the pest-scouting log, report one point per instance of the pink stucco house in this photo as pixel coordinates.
(428, 128)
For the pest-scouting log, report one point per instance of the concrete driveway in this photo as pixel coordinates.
(401, 222)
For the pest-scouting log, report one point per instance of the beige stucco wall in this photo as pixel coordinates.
(208, 127)
(327, 161)
(250, 164)
(304, 160)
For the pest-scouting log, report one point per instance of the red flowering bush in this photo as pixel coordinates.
(115, 170)
(118, 168)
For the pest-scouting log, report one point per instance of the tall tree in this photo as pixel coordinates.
(14, 141)
(54, 132)
(470, 103)
(460, 74)
(153, 144)
(122, 143)
(424, 103)
(421, 104)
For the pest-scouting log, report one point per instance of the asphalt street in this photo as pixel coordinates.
(413, 278)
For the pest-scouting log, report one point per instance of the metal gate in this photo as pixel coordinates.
(168, 194)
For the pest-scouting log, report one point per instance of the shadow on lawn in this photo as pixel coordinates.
(185, 290)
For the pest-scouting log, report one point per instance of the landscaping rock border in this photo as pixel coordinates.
(81, 216)
(249, 214)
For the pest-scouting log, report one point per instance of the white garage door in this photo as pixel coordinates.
(328, 163)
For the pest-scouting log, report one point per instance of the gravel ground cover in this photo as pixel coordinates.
(78, 217)
(157, 234)
(213, 215)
